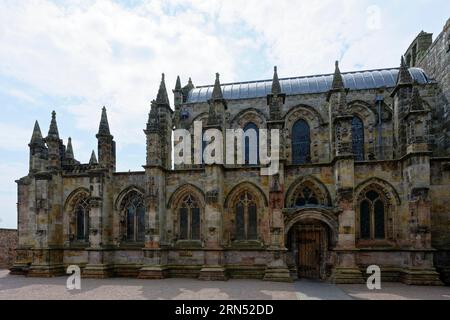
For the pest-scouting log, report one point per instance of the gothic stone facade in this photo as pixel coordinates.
(364, 180)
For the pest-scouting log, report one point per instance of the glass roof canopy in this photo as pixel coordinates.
(361, 80)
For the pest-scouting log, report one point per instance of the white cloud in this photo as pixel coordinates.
(13, 137)
(102, 53)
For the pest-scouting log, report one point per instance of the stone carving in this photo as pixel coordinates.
(212, 197)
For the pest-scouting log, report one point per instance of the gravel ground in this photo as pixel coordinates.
(19, 287)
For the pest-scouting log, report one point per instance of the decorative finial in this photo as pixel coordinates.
(53, 130)
(276, 86)
(338, 82)
(104, 124)
(404, 76)
(217, 91)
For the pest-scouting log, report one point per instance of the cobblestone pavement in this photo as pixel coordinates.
(19, 287)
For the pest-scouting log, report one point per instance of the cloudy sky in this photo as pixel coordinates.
(76, 56)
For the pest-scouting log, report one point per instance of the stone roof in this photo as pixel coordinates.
(359, 80)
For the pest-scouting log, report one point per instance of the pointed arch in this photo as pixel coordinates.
(234, 192)
(305, 111)
(177, 196)
(124, 192)
(74, 196)
(384, 186)
(318, 193)
(201, 117)
(249, 115)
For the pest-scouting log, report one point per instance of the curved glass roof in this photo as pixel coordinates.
(361, 80)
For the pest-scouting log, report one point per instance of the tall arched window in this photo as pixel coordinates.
(246, 217)
(372, 216)
(189, 219)
(82, 220)
(301, 142)
(358, 138)
(134, 209)
(251, 133)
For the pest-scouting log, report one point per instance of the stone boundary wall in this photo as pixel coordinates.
(8, 243)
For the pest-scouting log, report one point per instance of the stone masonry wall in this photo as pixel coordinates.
(8, 243)
(436, 63)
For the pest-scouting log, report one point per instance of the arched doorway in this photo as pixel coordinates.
(310, 239)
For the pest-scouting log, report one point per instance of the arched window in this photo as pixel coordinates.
(358, 138)
(134, 210)
(189, 219)
(301, 143)
(246, 217)
(82, 220)
(251, 143)
(372, 216)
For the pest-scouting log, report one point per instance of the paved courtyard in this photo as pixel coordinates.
(19, 287)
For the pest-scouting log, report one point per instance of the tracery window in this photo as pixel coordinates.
(305, 196)
(134, 210)
(246, 217)
(251, 132)
(189, 219)
(301, 142)
(81, 210)
(358, 138)
(372, 216)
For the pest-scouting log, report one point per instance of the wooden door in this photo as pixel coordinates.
(309, 254)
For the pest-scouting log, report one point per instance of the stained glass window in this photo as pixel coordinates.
(246, 217)
(189, 219)
(358, 138)
(372, 216)
(82, 220)
(301, 143)
(135, 217)
(251, 135)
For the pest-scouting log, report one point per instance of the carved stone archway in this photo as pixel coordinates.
(310, 232)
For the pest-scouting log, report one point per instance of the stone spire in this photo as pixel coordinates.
(53, 130)
(217, 92)
(404, 77)
(104, 125)
(338, 82)
(276, 86)
(178, 84)
(36, 138)
(69, 150)
(93, 160)
(162, 97)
